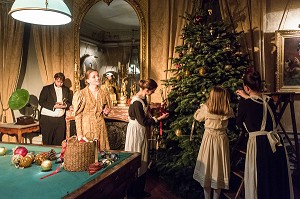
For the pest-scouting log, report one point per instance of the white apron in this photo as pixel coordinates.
(250, 176)
(136, 139)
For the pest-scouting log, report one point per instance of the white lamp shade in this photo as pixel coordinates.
(42, 12)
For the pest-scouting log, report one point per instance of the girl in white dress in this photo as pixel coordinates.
(212, 168)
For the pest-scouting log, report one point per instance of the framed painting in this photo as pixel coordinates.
(288, 61)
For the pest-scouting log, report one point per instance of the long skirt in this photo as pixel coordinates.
(136, 141)
(267, 173)
(213, 164)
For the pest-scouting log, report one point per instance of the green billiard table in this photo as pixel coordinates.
(110, 182)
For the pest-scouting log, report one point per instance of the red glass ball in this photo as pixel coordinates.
(21, 151)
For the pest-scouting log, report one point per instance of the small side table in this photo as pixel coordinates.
(19, 130)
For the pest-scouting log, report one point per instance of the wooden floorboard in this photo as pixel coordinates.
(158, 189)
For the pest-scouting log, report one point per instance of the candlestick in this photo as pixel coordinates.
(119, 66)
(75, 67)
(84, 69)
(162, 95)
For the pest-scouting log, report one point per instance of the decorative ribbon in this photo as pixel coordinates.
(94, 167)
(274, 140)
(162, 110)
(63, 149)
(53, 173)
(192, 130)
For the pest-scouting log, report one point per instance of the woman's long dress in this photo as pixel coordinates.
(89, 115)
(267, 173)
(213, 164)
(136, 137)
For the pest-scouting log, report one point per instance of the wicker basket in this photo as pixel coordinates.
(79, 155)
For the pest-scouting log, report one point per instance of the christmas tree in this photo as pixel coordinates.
(210, 55)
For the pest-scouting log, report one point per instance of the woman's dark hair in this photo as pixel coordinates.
(150, 84)
(252, 79)
(60, 76)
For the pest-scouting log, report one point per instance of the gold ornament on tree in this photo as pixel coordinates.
(228, 67)
(187, 73)
(210, 11)
(178, 77)
(227, 48)
(211, 30)
(202, 71)
(178, 132)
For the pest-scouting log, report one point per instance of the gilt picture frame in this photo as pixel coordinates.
(288, 61)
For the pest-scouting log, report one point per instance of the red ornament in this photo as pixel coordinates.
(21, 151)
(82, 140)
(197, 19)
(162, 110)
(128, 101)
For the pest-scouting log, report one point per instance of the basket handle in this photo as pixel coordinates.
(71, 139)
(96, 150)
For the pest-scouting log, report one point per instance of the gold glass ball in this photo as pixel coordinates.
(178, 132)
(46, 165)
(178, 77)
(31, 155)
(39, 158)
(187, 73)
(15, 159)
(25, 161)
(228, 67)
(2, 151)
(202, 71)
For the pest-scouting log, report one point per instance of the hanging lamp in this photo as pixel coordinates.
(41, 12)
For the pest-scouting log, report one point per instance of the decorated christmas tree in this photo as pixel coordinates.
(210, 55)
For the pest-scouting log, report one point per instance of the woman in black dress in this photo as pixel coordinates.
(267, 174)
(136, 138)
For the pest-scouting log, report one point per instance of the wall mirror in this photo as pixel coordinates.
(112, 40)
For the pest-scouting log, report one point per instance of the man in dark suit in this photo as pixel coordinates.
(54, 100)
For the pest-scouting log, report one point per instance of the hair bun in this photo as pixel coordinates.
(141, 83)
(250, 69)
(255, 75)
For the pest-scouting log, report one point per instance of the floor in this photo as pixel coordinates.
(158, 189)
(296, 182)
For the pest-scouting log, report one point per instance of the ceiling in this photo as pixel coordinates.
(114, 24)
(119, 15)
